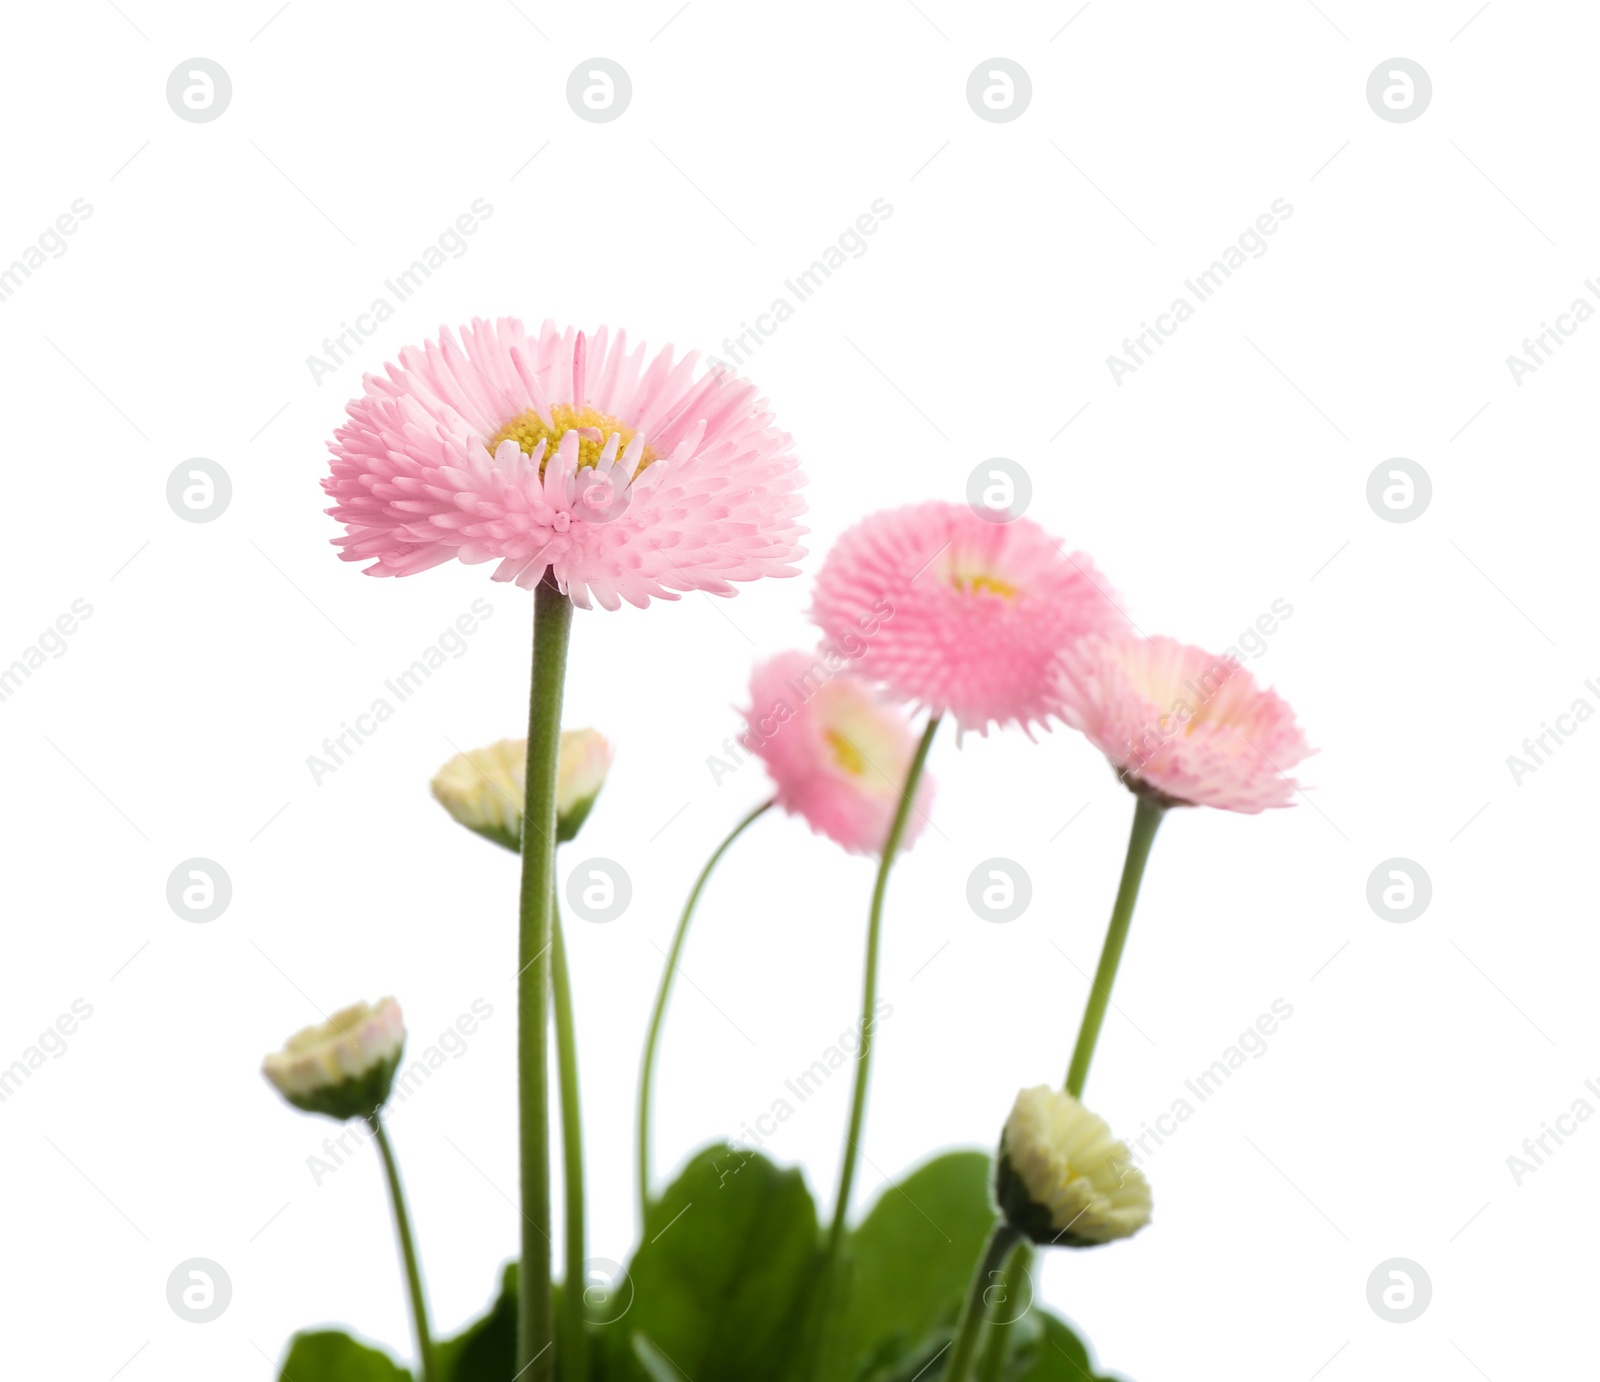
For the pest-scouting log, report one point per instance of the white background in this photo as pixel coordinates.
(1228, 472)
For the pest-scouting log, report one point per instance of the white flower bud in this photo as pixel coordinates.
(485, 789)
(1062, 1178)
(343, 1067)
(581, 773)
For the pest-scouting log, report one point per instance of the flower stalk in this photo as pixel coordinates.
(1015, 1267)
(970, 1331)
(552, 627)
(653, 1038)
(408, 1249)
(869, 992)
(575, 1341)
(1147, 815)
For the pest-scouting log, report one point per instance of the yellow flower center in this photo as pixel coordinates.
(991, 585)
(594, 429)
(846, 754)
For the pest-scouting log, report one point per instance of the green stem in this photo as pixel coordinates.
(1147, 816)
(575, 1351)
(869, 992)
(552, 626)
(996, 1355)
(970, 1330)
(408, 1249)
(653, 1040)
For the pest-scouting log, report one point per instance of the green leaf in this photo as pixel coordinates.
(329, 1355)
(486, 1350)
(721, 1278)
(723, 1290)
(1055, 1354)
(909, 1264)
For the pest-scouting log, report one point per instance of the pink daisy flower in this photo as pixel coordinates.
(626, 477)
(960, 614)
(1186, 724)
(836, 752)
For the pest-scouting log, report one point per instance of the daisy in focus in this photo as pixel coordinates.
(624, 475)
(1185, 724)
(837, 754)
(971, 617)
(590, 474)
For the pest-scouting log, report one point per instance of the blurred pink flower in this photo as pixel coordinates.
(958, 613)
(836, 752)
(1190, 725)
(626, 478)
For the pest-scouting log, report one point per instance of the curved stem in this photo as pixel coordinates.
(970, 1330)
(869, 989)
(1147, 816)
(408, 1249)
(653, 1039)
(575, 1350)
(552, 626)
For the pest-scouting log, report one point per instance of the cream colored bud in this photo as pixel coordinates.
(1062, 1178)
(484, 789)
(344, 1066)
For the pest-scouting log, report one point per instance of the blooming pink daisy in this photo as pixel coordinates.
(626, 477)
(959, 613)
(1187, 724)
(836, 752)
